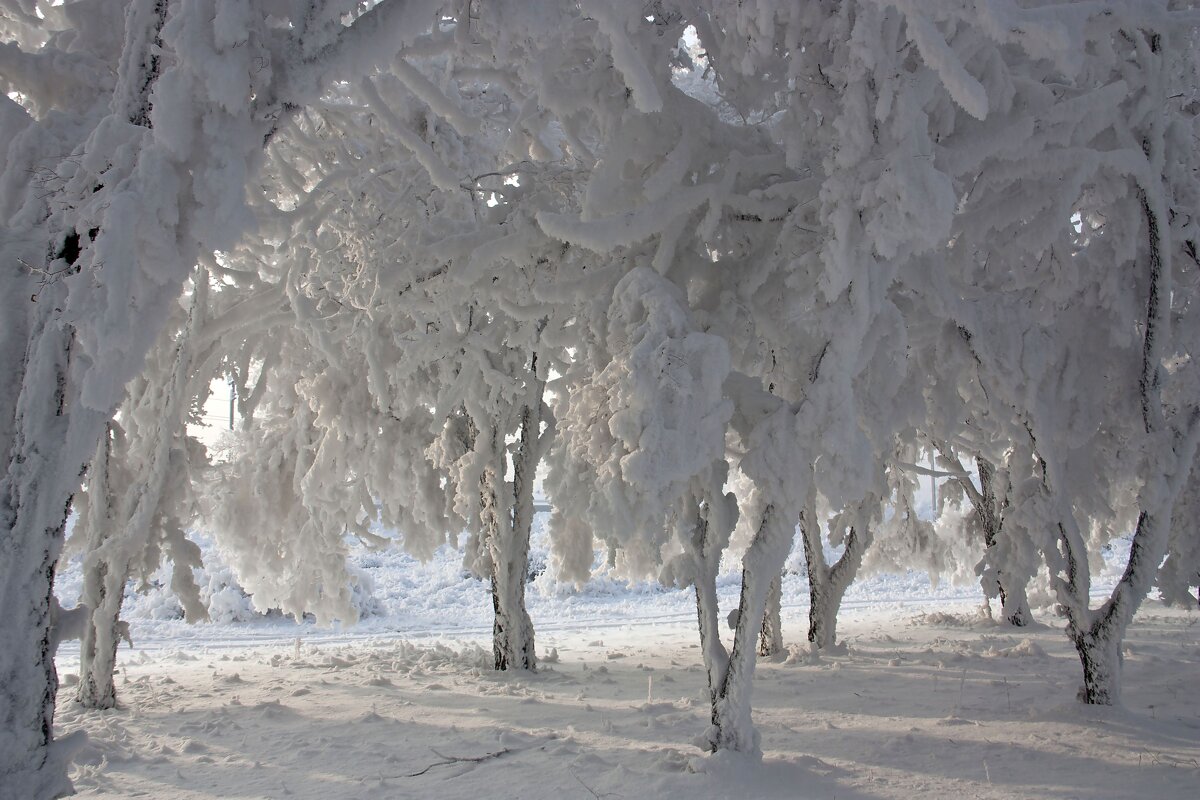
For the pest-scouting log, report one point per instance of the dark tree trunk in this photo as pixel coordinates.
(1100, 654)
(770, 640)
(827, 584)
(1099, 635)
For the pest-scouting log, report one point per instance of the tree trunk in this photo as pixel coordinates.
(731, 672)
(49, 447)
(102, 633)
(1014, 604)
(770, 641)
(1098, 635)
(54, 435)
(733, 726)
(996, 580)
(32, 764)
(706, 556)
(512, 631)
(827, 584)
(819, 624)
(1100, 655)
(507, 535)
(103, 589)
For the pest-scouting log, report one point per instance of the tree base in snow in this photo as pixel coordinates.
(45, 780)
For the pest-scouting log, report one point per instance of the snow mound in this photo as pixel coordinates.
(944, 619)
(1026, 648)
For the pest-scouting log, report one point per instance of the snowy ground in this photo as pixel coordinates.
(930, 700)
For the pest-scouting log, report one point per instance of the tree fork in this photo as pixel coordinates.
(827, 584)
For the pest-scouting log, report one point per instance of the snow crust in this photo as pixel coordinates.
(930, 698)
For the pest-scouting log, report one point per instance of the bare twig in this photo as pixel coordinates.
(590, 790)
(448, 760)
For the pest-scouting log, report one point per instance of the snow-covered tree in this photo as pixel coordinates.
(1010, 557)
(828, 582)
(131, 149)
(417, 270)
(1059, 280)
(824, 241)
(139, 499)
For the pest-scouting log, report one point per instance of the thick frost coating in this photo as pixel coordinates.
(812, 246)
(122, 215)
(667, 410)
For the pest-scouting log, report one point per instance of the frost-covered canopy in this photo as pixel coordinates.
(726, 271)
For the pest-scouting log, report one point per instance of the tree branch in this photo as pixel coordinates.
(449, 760)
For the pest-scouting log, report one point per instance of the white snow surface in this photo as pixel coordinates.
(931, 698)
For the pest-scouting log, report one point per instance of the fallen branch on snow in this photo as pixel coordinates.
(450, 760)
